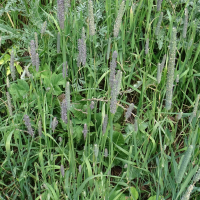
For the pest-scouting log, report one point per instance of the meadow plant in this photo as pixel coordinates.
(64, 71)
(159, 3)
(91, 18)
(113, 65)
(92, 105)
(61, 13)
(43, 29)
(67, 95)
(79, 168)
(96, 150)
(186, 196)
(129, 111)
(177, 78)
(54, 123)
(85, 131)
(12, 67)
(28, 125)
(178, 116)
(115, 92)
(7, 82)
(159, 24)
(36, 41)
(159, 73)
(163, 63)
(82, 52)
(106, 152)
(147, 46)
(33, 52)
(185, 23)
(184, 164)
(105, 123)
(62, 170)
(119, 19)
(170, 70)
(64, 111)
(196, 177)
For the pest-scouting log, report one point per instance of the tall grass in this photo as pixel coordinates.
(91, 109)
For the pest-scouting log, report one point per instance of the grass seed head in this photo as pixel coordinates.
(129, 111)
(28, 125)
(33, 52)
(91, 18)
(61, 13)
(12, 67)
(119, 19)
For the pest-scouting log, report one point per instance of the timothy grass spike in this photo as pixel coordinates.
(91, 18)
(170, 70)
(119, 19)
(184, 164)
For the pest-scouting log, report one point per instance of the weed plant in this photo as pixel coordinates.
(99, 99)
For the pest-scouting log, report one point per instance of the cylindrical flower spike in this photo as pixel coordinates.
(92, 105)
(129, 111)
(163, 63)
(62, 170)
(67, 95)
(115, 91)
(64, 111)
(7, 82)
(61, 13)
(159, 3)
(36, 41)
(184, 164)
(119, 19)
(91, 18)
(170, 70)
(159, 24)
(43, 29)
(106, 152)
(54, 123)
(105, 122)
(178, 116)
(185, 23)
(147, 46)
(12, 67)
(197, 176)
(113, 65)
(186, 196)
(85, 131)
(33, 53)
(158, 73)
(28, 125)
(79, 168)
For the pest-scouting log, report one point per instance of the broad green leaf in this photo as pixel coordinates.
(154, 198)
(134, 193)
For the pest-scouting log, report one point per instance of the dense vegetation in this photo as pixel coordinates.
(99, 99)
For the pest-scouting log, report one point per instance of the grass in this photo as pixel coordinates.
(153, 154)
